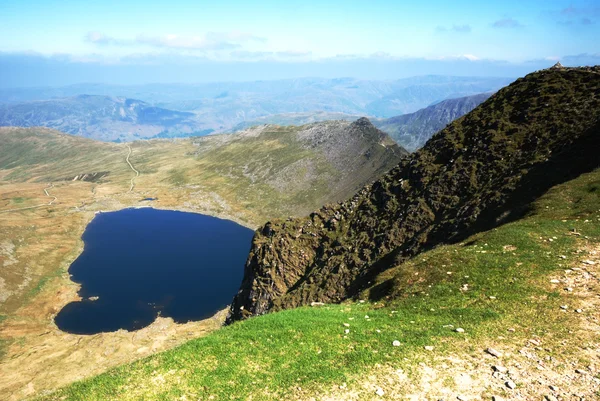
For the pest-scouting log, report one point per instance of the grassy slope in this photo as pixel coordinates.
(42, 153)
(300, 353)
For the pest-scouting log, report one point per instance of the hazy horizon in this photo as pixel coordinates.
(144, 42)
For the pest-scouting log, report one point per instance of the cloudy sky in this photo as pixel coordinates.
(58, 42)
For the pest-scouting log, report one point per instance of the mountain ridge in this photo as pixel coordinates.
(479, 171)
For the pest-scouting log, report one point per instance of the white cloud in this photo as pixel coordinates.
(207, 41)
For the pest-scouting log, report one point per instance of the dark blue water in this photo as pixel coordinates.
(146, 262)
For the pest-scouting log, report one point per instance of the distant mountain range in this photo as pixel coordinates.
(220, 107)
(412, 130)
(103, 118)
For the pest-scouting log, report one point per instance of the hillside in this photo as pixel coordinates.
(480, 171)
(505, 288)
(102, 118)
(52, 184)
(412, 130)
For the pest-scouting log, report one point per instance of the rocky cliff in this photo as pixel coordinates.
(480, 171)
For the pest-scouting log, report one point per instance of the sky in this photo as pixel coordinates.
(48, 42)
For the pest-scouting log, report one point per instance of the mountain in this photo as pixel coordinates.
(102, 117)
(480, 171)
(503, 313)
(52, 185)
(412, 130)
(221, 106)
(260, 172)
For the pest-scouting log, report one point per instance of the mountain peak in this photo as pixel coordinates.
(363, 122)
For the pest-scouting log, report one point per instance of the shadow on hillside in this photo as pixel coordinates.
(574, 159)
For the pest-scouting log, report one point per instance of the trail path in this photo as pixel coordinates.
(137, 173)
(54, 199)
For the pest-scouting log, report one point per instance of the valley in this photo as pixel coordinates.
(245, 177)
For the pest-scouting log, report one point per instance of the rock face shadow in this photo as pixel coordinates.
(141, 263)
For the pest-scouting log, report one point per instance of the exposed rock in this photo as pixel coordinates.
(500, 369)
(493, 352)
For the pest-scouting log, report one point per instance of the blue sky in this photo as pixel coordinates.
(237, 40)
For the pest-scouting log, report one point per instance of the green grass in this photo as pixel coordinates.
(271, 356)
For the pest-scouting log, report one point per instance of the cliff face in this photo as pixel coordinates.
(480, 171)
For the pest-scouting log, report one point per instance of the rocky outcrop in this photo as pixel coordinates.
(480, 171)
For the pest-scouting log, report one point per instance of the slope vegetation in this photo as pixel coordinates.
(480, 171)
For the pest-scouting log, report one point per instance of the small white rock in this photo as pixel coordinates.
(564, 307)
(346, 325)
(396, 343)
(459, 330)
(550, 397)
(493, 352)
(578, 310)
(500, 369)
(429, 348)
(555, 281)
(511, 384)
(347, 331)
(380, 392)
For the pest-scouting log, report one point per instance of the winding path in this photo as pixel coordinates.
(54, 199)
(137, 173)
